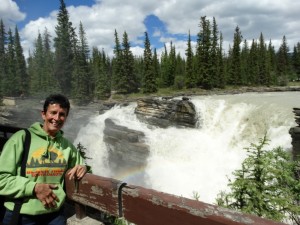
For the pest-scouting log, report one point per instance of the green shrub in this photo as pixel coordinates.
(266, 185)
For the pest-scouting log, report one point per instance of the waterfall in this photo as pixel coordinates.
(185, 161)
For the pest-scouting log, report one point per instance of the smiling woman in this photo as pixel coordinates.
(50, 155)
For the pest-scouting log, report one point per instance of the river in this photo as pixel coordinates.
(197, 161)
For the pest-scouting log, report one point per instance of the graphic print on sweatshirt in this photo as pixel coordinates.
(51, 163)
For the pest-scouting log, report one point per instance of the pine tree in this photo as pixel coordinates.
(263, 72)
(64, 50)
(190, 80)
(41, 63)
(179, 82)
(10, 88)
(272, 63)
(100, 65)
(227, 64)
(21, 73)
(128, 83)
(245, 70)
(266, 184)
(156, 66)
(296, 60)
(81, 90)
(163, 81)
(214, 64)
(168, 66)
(171, 66)
(253, 64)
(117, 64)
(30, 70)
(203, 55)
(149, 81)
(221, 68)
(235, 75)
(49, 77)
(3, 61)
(37, 64)
(94, 65)
(283, 63)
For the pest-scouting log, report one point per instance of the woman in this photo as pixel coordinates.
(50, 156)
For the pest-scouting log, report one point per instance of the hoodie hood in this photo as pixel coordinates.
(37, 128)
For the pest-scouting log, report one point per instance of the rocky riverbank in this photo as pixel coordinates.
(27, 110)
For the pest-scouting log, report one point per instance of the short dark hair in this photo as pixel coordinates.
(57, 99)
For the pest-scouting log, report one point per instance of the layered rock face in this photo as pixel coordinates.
(297, 115)
(165, 113)
(126, 147)
(295, 133)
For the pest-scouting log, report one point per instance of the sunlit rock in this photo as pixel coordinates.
(166, 112)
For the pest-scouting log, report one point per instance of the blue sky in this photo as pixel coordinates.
(164, 20)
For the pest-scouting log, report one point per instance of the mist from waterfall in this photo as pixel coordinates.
(185, 161)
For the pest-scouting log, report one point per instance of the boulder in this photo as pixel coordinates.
(9, 101)
(166, 112)
(126, 147)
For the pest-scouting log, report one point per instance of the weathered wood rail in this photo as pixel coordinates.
(143, 206)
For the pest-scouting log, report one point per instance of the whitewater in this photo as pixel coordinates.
(197, 161)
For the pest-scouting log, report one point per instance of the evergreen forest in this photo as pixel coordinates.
(67, 64)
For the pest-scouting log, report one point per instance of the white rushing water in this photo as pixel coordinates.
(184, 161)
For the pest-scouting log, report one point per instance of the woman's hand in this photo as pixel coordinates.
(44, 192)
(77, 172)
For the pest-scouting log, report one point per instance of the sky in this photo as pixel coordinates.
(165, 21)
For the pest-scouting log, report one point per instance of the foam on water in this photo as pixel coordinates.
(188, 160)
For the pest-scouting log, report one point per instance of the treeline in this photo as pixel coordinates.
(71, 68)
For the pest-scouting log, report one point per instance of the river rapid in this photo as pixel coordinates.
(197, 161)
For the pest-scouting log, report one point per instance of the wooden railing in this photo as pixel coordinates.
(143, 206)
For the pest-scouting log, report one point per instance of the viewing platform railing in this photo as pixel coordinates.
(144, 206)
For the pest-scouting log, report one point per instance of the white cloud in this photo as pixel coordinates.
(100, 22)
(136, 51)
(273, 18)
(30, 32)
(10, 13)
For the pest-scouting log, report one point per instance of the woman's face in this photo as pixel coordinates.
(54, 119)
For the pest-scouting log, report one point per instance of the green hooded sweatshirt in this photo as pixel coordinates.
(48, 160)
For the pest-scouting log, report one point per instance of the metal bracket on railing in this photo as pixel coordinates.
(120, 198)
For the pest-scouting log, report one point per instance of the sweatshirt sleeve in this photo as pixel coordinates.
(11, 183)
